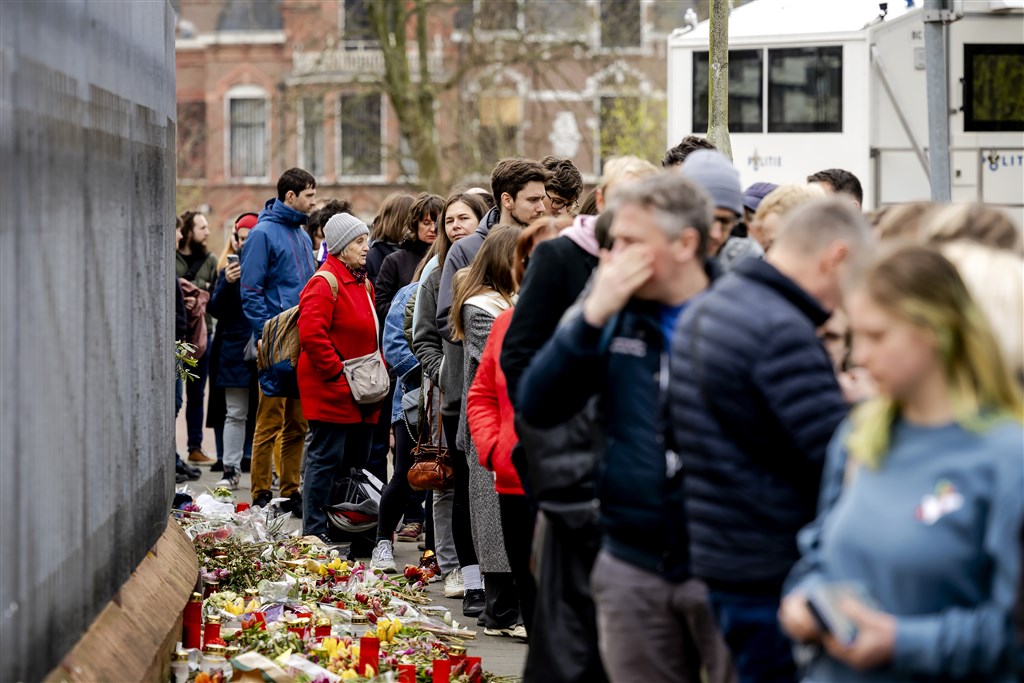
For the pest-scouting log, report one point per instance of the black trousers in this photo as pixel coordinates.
(517, 519)
(462, 529)
(397, 493)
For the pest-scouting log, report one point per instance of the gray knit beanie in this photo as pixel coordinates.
(340, 230)
(719, 178)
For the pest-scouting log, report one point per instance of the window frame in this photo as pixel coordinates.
(304, 161)
(702, 123)
(247, 92)
(638, 48)
(340, 171)
(971, 124)
(782, 127)
(343, 26)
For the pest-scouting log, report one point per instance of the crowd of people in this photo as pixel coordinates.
(685, 431)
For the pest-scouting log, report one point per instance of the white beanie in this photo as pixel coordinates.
(341, 229)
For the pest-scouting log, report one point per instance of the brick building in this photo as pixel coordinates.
(263, 85)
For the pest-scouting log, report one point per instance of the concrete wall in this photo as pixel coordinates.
(86, 312)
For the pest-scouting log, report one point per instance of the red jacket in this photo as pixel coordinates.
(329, 331)
(490, 414)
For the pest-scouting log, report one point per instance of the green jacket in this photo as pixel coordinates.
(205, 279)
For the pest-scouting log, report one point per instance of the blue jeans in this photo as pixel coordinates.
(750, 626)
(334, 450)
(195, 391)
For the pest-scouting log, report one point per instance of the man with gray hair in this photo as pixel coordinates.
(754, 403)
(654, 621)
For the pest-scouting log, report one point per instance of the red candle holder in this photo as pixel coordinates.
(442, 671)
(369, 654)
(322, 629)
(476, 663)
(212, 631)
(241, 507)
(192, 622)
(406, 673)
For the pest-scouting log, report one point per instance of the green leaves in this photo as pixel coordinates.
(183, 360)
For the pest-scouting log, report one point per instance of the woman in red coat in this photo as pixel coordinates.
(331, 329)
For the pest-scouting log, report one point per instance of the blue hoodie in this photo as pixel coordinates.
(276, 264)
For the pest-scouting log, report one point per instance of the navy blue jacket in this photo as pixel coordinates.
(233, 332)
(641, 505)
(277, 262)
(754, 402)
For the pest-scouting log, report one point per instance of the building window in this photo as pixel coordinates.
(191, 131)
(556, 17)
(313, 135)
(993, 87)
(357, 21)
(500, 119)
(498, 15)
(805, 90)
(248, 137)
(745, 91)
(620, 23)
(360, 135)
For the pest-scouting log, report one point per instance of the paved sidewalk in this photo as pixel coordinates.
(502, 656)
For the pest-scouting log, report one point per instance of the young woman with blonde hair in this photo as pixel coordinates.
(917, 561)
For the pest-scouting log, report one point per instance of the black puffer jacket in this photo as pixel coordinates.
(754, 402)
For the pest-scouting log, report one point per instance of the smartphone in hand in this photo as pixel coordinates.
(825, 603)
(232, 259)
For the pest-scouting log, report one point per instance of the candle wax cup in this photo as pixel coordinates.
(406, 673)
(442, 671)
(369, 653)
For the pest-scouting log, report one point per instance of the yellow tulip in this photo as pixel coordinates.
(349, 675)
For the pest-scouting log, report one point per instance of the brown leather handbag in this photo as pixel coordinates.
(432, 465)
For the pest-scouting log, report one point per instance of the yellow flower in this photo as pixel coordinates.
(349, 675)
(331, 645)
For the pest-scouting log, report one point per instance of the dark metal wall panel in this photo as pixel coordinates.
(86, 312)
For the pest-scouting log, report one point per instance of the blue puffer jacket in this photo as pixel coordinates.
(754, 402)
(233, 330)
(641, 501)
(277, 261)
(395, 348)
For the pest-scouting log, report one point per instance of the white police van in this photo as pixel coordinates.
(815, 84)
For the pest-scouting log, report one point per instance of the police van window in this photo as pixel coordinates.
(805, 90)
(993, 87)
(745, 91)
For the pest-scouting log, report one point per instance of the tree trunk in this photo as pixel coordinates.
(412, 99)
(718, 78)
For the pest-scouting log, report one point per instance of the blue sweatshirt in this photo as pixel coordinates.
(932, 536)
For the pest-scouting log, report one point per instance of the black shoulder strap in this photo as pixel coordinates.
(190, 274)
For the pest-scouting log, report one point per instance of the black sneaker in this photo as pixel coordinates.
(474, 602)
(190, 472)
(180, 478)
(217, 466)
(262, 500)
(294, 505)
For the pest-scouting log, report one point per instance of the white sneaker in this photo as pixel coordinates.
(230, 479)
(454, 587)
(519, 633)
(383, 558)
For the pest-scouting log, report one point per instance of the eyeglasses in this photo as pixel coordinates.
(558, 203)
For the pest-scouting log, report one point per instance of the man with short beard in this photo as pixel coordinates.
(518, 186)
(276, 264)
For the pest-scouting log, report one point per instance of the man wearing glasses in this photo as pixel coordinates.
(564, 188)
